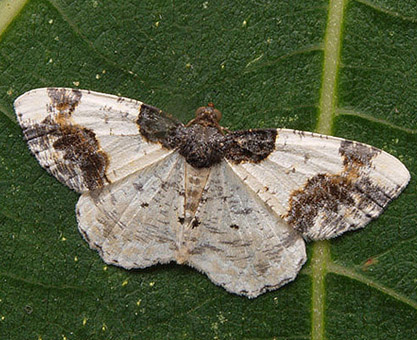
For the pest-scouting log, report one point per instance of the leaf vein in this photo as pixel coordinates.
(348, 112)
(387, 11)
(343, 271)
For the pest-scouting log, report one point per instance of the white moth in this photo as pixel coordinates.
(234, 205)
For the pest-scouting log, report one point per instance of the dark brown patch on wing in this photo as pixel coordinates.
(339, 198)
(249, 146)
(322, 193)
(80, 147)
(78, 153)
(63, 101)
(157, 126)
(356, 155)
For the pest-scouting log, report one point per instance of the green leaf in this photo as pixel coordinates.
(337, 67)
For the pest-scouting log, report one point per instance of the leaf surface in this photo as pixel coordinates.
(338, 67)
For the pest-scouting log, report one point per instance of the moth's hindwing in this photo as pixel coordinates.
(133, 222)
(221, 227)
(238, 241)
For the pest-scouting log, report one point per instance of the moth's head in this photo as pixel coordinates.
(208, 113)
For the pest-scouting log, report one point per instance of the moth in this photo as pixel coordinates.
(236, 205)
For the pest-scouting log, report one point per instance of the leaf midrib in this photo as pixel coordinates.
(327, 106)
(321, 263)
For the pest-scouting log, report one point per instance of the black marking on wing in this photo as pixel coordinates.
(63, 101)
(249, 146)
(326, 195)
(81, 152)
(158, 127)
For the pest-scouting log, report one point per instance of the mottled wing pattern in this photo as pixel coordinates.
(88, 139)
(322, 185)
(232, 236)
(134, 223)
(250, 145)
(238, 241)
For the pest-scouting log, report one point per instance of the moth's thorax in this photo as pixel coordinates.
(200, 145)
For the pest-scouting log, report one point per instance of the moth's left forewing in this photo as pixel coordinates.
(87, 139)
(323, 185)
